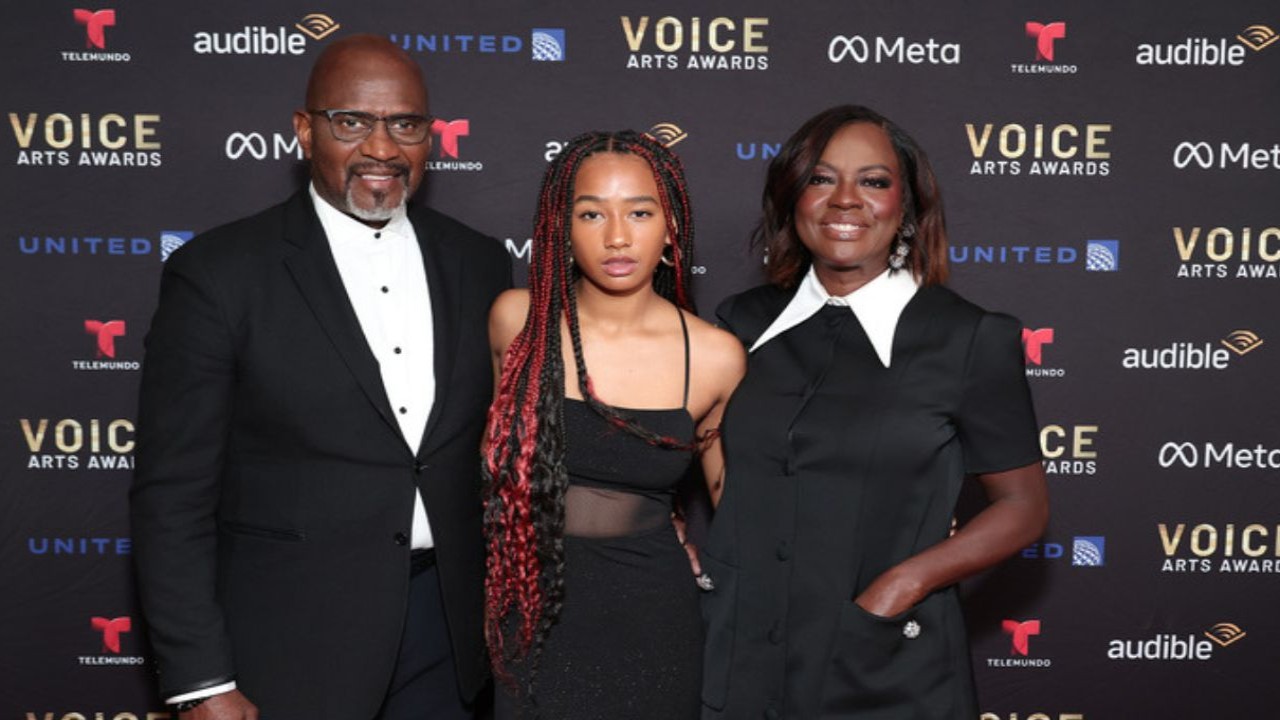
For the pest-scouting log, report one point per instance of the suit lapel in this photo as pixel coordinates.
(316, 274)
(445, 283)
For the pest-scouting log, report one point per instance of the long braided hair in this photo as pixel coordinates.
(523, 456)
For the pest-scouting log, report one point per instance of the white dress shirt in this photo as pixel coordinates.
(386, 281)
(877, 305)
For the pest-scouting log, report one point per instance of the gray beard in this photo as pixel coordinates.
(378, 213)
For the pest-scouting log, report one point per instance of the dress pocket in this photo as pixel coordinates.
(882, 663)
(720, 618)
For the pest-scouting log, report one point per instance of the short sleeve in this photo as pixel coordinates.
(997, 421)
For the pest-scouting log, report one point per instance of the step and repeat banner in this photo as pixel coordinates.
(1111, 172)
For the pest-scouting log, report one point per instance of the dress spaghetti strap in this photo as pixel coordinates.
(684, 328)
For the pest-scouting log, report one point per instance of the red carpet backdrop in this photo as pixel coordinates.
(1111, 171)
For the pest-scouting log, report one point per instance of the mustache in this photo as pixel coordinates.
(368, 168)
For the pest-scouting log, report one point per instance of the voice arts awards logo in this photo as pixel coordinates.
(104, 334)
(111, 632)
(94, 24)
(1069, 450)
(85, 139)
(74, 444)
(1041, 149)
(1224, 548)
(1045, 37)
(696, 43)
(1228, 252)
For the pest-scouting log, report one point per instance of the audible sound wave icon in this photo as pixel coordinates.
(667, 134)
(317, 26)
(1224, 633)
(1242, 341)
(1257, 37)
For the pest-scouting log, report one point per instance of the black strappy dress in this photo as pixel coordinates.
(628, 643)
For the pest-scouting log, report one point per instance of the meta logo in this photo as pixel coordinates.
(262, 146)
(1222, 252)
(1204, 155)
(111, 630)
(1193, 548)
(106, 140)
(446, 134)
(696, 43)
(1020, 633)
(1218, 455)
(1086, 551)
(877, 50)
(1064, 149)
(263, 40)
(71, 444)
(1044, 35)
(545, 44)
(1069, 450)
(1176, 647)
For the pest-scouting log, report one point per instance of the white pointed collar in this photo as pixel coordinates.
(877, 305)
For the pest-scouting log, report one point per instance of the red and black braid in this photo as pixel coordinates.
(523, 456)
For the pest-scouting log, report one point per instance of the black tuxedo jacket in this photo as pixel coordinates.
(273, 494)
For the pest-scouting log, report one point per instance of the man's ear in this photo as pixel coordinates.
(302, 128)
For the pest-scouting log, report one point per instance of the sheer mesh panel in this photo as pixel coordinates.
(596, 512)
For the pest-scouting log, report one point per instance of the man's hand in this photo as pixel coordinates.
(230, 705)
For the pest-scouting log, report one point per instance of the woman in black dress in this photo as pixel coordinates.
(871, 392)
(592, 611)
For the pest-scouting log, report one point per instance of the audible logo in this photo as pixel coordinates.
(672, 43)
(1062, 149)
(1192, 355)
(262, 40)
(106, 140)
(1168, 646)
(1221, 252)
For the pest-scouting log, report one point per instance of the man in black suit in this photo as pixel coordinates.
(306, 507)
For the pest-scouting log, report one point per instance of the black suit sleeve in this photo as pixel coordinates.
(183, 416)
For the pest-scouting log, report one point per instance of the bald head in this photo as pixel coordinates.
(369, 177)
(358, 57)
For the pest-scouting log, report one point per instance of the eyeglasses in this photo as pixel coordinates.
(353, 125)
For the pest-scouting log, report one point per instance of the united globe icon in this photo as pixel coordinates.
(546, 47)
(1087, 552)
(1100, 258)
